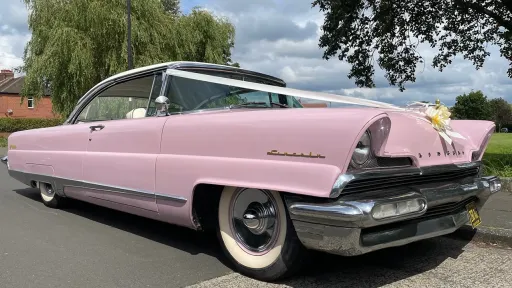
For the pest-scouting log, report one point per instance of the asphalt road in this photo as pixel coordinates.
(89, 246)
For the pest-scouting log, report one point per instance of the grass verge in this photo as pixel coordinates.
(3, 141)
(498, 155)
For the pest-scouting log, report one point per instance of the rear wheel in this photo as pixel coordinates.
(48, 195)
(257, 234)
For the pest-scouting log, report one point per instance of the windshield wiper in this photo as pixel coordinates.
(257, 104)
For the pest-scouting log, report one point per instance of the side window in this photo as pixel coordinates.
(190, 94)
(125, 100)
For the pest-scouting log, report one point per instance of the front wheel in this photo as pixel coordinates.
(257, 234)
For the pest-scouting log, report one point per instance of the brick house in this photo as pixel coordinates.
(10, 99)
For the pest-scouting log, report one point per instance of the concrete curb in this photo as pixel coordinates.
(488, 235)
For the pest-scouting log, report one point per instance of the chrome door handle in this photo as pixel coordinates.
(97, 127)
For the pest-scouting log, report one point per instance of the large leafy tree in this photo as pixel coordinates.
(501, 113)
(206, 38)
(356, 30)
(473, 105)
(76, 44)
(171, 6)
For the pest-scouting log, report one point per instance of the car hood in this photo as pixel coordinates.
(331, 132)
(412, 137)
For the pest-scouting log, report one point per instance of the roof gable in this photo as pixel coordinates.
(14, 86)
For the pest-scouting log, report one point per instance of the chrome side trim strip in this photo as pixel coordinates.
(60, 183)
(113, 189)
(123, 204)
(170, 198)
(343, 180)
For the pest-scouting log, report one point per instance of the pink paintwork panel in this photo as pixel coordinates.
(251, 134)
(179, 174)
(123, 154)
(171, 155)
(411, 137)
(230, 148)
(61, 147)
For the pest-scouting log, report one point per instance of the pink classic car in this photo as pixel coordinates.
(215, 147)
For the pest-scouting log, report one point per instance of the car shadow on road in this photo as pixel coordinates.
(181, 238)
(378, 268)
(322, 270)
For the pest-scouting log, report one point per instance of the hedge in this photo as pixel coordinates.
(11, 125)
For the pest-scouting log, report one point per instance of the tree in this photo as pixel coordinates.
(501, 113)
(171, 6)
(76, 44)
(207, 38)
(358, 29)
(473, 105)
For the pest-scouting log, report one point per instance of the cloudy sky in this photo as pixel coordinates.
(280, 37)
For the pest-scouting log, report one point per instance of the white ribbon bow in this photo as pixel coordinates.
(438, 116)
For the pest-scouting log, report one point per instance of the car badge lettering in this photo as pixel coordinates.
(310, 155)
(447, 153)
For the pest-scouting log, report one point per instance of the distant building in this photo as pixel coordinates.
(10, 98)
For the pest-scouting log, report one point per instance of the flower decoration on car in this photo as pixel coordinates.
(438, 116)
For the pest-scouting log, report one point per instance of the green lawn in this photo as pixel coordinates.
(498, 155)
(3, 142)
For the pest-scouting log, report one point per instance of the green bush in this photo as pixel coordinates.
(11, 125)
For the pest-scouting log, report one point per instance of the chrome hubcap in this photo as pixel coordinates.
(254, 219)
(259, 217)
(47, 189)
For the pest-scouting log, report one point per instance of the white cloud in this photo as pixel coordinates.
(272, 37)
(14, 33)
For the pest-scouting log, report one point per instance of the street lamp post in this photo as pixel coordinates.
(129, 36)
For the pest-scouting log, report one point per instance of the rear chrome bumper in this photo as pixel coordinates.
(346, 225)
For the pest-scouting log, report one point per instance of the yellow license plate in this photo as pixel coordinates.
(474, 216)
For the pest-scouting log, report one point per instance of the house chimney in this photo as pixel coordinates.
(6, 74)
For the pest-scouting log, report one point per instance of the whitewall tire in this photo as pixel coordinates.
(48, 195)
(257, 234)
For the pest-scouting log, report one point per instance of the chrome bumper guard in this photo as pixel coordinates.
(348, 226)
(5, 161)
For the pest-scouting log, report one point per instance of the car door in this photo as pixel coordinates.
(123, 144)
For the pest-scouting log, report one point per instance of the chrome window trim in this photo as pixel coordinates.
(162, 67)
(343, 179)
(72, 119)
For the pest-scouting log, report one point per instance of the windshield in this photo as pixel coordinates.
(188, 95)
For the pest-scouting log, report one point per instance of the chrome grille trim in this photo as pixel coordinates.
(381, 179)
